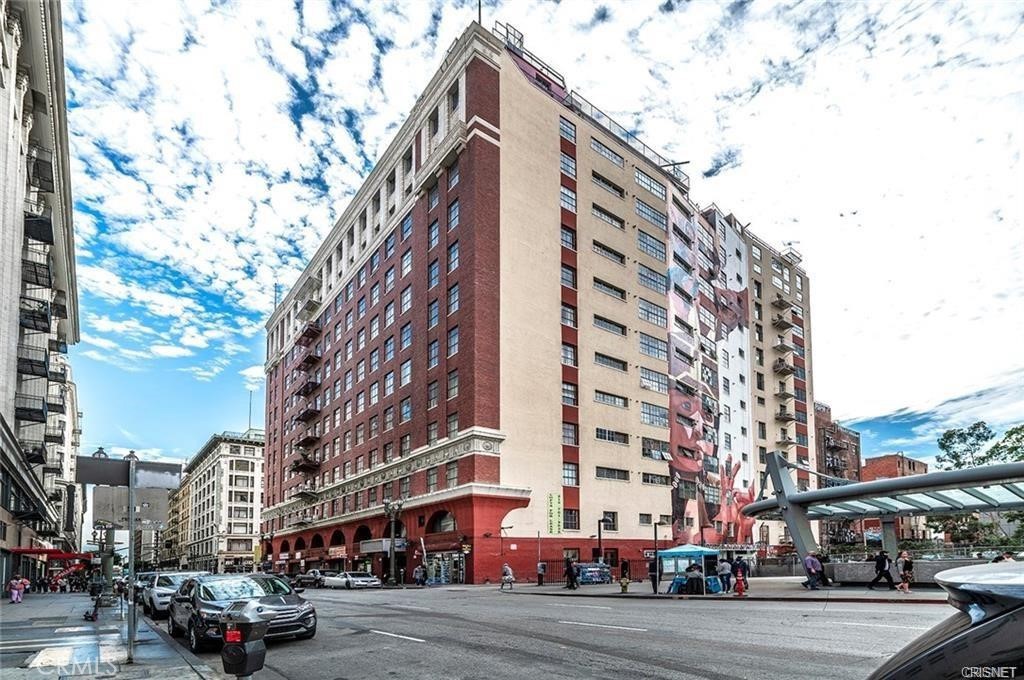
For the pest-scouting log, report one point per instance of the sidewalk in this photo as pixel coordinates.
(46, 637)
(767, 589)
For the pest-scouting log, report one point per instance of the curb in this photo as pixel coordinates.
(198, 666)
(704, 598)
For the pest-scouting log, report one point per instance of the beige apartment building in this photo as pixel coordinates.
(41, 506)
(526, 330)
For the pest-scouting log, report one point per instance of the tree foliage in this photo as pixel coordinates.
(961, 529)
(1009, 449)
(960, 446)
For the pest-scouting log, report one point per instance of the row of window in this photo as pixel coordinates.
(571, 475)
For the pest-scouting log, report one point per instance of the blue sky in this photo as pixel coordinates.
(213, 144)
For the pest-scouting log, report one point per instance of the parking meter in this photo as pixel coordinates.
(242, 627)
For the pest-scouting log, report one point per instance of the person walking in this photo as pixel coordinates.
(905, 568)
(882, 566)
(813, 568)
(16, 586)
(725, 575)
(507, 577)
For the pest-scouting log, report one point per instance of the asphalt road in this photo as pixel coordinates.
(475, 632)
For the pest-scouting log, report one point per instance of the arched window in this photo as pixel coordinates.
(317, 541)
(300, 544)
(441, 522)
(337, 538)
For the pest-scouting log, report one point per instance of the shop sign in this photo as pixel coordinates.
(298, 555)
(282, 557)
(379, 545)
(649, 554)
(337, 551)
(554, 513)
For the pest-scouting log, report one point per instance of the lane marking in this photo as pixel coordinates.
(601, 625)
(409, 606)
(585, 606)
(877, 625)
(396, 635)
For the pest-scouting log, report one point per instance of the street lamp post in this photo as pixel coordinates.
(392, 508)
(657, 571)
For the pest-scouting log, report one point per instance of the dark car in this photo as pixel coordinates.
(985, 634)
(195, 608)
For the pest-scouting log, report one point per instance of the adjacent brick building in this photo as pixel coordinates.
(839, 458)
(888, 467)
(524, 328)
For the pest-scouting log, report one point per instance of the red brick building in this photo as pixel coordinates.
(839, 457)
(888, 467)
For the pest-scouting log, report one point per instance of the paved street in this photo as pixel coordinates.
(476, 632)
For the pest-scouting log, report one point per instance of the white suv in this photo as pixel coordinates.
(157, 595)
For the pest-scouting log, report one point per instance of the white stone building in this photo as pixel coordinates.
(39, 508)
(225, 495)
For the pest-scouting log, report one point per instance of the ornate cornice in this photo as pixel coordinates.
(476, 441)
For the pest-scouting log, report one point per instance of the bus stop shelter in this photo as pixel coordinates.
(992, 488)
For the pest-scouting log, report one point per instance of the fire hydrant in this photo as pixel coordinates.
(624, 584)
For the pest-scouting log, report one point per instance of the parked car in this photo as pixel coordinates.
(594, 572)
(986, 632)
(312, 578)
(196, 606)
(156, 596)
(142, 579)
(352, 579)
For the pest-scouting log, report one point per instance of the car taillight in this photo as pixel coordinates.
(232, 635)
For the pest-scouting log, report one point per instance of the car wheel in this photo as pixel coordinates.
(172, 628)
(195, 644)
(308, 635)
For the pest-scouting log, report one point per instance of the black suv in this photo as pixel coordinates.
(195, 608)
(985, 636)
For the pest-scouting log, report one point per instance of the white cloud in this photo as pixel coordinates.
(170, 351)
(254, 377)
(102, 343)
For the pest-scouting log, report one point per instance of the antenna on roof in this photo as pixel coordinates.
(479, 12)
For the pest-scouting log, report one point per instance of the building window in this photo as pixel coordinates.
(453, 384)
(453, 299)
(609, 325)
(405, 373)
(608, 185)
(650, 245)
(612, 254)
(652, 215)
(610, 362)
(453, 214)
(406, 300)
(569, 394)
(433, 313)
(568, 165)
(653, 380)
(569, 355)
(406, 410)
(568, 276)
(646, 519)
(567, 130)
(607, 152)
(651, 184)
(568, 199)
(451, 474)
(433, 276)
(432, 394)
(453, 176)
(570, 434)
(453, 340)
(652, 279)
(570, 474)
(652, 313)
(610, 520)
(433, 234)
(433, 354)
(568, 238)
(405, 445)
(406, 262)
(653, 347)
(610, 399)
(652, 414)
(432, 479)
(568, 315)
(453, 257)
(432, 429)
(453, 424)
(654, 449)
(660, 480)
(611, 290)
(405, 336)
(406, 226)
(606, 216)
(612, 436)
(571, 521)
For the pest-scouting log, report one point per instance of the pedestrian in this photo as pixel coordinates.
(824, 559)
(882, 566)
(652, 573)
(694, 578)
(905, 568)
(17, 586)
(741, 570)
(63, 583)
(725, 574)
(1003, 557)
(507, 577)
(813, 568)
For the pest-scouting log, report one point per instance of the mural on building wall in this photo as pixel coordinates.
(705, 494)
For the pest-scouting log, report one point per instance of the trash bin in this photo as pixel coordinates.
(242, 627)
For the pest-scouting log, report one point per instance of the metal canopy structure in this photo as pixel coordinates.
(992, 488)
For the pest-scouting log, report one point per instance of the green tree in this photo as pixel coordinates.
(964, 529)
(1009, 449)
(960, 446)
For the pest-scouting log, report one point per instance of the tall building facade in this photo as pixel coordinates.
(40, 506)
(224, 492)
(174, 545)
(838, 458)
(524, 329)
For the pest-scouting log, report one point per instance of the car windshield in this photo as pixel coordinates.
(330, 573)
(172, 581)
(240, 588)
(359, 574)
